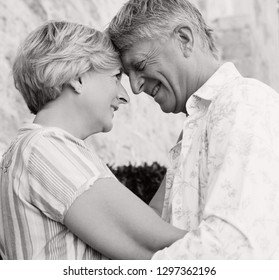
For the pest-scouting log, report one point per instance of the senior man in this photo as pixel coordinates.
(223, 182)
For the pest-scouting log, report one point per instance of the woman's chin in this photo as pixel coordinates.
(108, 128)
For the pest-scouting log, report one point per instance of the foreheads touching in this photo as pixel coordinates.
(149, 19)
(56, 53)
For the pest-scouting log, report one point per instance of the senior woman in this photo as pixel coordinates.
(58, 200)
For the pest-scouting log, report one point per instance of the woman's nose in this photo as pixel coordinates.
(123, 96)
(136, 83)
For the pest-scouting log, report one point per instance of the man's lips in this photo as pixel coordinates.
(155, 90)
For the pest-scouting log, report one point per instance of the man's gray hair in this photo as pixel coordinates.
(146, 19)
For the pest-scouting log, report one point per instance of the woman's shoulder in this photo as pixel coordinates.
(35, 139)
(36, 135)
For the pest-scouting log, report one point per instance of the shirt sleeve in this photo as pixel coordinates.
(240, 218)
(59, 170)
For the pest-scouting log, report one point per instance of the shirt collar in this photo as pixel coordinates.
(211, 88)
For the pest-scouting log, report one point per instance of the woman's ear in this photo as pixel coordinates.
(77, 85)
(185, 37)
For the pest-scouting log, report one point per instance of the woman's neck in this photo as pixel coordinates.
(62, 113)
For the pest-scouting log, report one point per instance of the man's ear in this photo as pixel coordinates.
(185, 37)
(77, 85)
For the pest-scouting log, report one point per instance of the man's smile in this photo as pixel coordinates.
(155, 89)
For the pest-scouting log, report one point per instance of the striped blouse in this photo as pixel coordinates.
(43, 171)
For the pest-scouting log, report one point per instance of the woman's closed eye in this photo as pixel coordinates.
(118, 75)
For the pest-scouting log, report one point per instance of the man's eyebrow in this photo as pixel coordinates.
(149, 56)
(129, 65)
(139, 57)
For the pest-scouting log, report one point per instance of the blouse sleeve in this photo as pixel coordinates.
(59, 170)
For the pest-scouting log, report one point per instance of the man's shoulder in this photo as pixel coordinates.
(243, 98)
(245, 90)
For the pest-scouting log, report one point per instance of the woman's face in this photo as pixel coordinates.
(102, 94)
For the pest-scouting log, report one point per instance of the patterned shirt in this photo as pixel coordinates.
(42, 173)
(223, 183)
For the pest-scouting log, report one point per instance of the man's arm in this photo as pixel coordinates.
(157, 201)
(112, 220)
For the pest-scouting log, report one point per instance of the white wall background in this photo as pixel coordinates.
(141, 133)
(247, 32)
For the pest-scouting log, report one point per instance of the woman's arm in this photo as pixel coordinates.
(112, 220)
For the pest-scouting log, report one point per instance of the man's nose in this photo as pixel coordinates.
(123, 96)
(136, 82)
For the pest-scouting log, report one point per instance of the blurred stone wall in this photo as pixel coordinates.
(141, 133)
(247, 33)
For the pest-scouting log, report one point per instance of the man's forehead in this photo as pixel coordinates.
(132, 54)
(136, 52)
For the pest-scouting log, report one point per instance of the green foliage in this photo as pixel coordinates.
(143, 180)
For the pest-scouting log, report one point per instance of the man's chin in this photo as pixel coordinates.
(166, 109)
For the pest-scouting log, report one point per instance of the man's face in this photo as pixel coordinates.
(158, 68)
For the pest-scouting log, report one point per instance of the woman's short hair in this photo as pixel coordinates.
(147, 19)
(56, 53)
